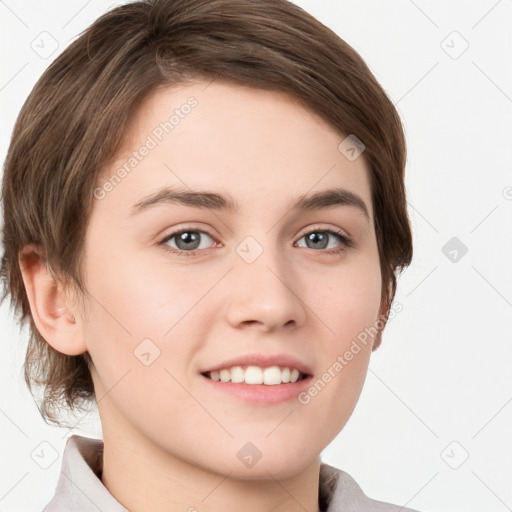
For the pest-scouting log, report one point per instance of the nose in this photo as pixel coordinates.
(264, 294)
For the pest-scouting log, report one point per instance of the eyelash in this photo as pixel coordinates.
(346, 242)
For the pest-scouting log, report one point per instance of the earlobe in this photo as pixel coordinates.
(53, 315)
(377, 341)
(381, 322)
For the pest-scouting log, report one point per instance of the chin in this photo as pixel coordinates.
(264, 460)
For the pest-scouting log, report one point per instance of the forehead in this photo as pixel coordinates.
(251, 143)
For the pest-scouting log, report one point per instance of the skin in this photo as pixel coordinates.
(171, 442)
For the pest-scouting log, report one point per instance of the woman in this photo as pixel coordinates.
(222, 369)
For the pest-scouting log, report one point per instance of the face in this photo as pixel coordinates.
(177, 288)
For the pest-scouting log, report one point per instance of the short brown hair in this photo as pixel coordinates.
(74, 120)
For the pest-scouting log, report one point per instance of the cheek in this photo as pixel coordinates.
(349, 308)
(141, 312)
(351, 300)
(137, 295)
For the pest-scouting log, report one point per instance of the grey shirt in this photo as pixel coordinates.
(80, 489)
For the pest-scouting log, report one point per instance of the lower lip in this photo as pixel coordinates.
(261, 393)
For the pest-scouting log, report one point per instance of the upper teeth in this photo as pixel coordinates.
(256, 375)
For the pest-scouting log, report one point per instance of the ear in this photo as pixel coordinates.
(51, 310)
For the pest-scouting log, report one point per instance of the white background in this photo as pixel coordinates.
(439, 387)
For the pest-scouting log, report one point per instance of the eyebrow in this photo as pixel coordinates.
(215, 201)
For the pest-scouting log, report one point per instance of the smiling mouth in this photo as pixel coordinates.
(255, 375)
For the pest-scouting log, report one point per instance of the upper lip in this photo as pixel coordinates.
(263, 360)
